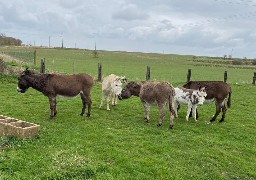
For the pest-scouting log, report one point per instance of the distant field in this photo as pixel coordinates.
(167, 67)
(118, 144)
(171, 68)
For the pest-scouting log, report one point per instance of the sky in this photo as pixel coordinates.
(187, 27)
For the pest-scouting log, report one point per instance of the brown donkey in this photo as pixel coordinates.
(218, 92)
(52, 85)
(160, 93)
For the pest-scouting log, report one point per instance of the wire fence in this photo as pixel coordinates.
(24, 56)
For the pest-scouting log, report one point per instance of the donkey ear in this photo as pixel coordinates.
(202, 88)
(135, 85)
(28, 72)
(125, 81)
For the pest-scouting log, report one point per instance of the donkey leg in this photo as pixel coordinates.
(55, 109)
(103, 98)
(224, 110)
(161, 114)
(197, 115)
(218, 109)
(172, 115)
(84, 103)
(146, 109)
(194, 108)
(189, 111)
(108, 100)
(52, 102)
(176, 108)
(114, 100)
(89, 103)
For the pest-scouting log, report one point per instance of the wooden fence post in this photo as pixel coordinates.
(148, 73)
(35, 57)
(225, 76)
(254, 78)
(99, 71)
(42, 67)
(189, 75)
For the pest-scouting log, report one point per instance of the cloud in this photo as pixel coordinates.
(130, 12)
(195, 27)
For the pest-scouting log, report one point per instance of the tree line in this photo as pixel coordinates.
(9, 41)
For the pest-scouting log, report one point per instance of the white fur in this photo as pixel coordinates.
(111, 87)
(18, 89)
(183, 97)
(69, 97)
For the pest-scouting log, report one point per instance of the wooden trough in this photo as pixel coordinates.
(18, 128)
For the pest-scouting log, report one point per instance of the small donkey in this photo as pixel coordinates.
(191, 97)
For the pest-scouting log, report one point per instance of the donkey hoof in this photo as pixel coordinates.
(212, 120)
(81, 114)
(88, 114)
(171, 126)
(221, 120)
(158, 125)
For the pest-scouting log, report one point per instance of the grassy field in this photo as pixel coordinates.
(118, 144)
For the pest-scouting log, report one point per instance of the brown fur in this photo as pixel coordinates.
(52, 85)
(150, 93)
(216, 90)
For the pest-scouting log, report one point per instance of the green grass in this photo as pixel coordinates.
(118, 144)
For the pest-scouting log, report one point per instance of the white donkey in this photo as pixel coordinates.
(111, 87)
(191, 97)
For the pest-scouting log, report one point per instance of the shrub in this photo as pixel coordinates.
(253, 62)
(2, 66)
(237, 62)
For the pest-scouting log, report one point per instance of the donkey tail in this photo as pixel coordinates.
(171, 107)
(171, 99)
(229, 99)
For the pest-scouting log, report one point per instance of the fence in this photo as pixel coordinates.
(225, 77)
(189, 75)
(24, 56)
(100, 72)
(254, 78)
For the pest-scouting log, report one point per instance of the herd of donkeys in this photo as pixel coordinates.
(193, 93)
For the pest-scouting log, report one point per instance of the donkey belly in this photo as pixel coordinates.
(68, 95)
(207, 101)
(182, 100)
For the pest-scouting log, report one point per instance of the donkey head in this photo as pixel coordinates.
(131, 88)
(22, 82)
(201, 93)
(116, 87)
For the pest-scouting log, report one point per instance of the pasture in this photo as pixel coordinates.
(118, 144)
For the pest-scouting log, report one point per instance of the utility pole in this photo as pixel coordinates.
(49, 41)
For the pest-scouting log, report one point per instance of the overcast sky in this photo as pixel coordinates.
(196, 27)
